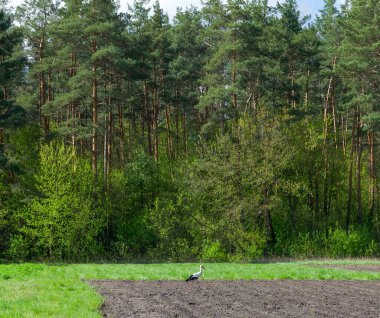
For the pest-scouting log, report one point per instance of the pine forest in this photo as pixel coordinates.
(229, 132)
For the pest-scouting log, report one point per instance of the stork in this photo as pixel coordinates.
(197, 274)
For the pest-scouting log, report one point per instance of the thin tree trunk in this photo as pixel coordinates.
(330, 97)
(326, 168)
(292, 216)
(373, 178)
(270, 234)
(334, 120)
(333, 103)
(349, 194)
(121, 134)
(234, 78)
(222, 117)
(156, 107)
(155, 123)
(307, 90)
(42, 88)
(170, 139)
(105, 145)
(344, 142)
(316, 214)
(5, 93)
(148, 119)
(94, 142)
(325, 197)
(293, 92)
(310, 204)
(358, 167)
(73, 104)
(109, 139)
(176, 119)
(184, 132)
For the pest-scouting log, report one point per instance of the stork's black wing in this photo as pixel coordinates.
(191, 277)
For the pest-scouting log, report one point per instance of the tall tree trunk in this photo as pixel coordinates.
(5, 92)
(234, 78)
(156, 110)
(325, 197)
(310, 204)
(293, 92)
(237, 126)
(307, 91)
(349, 194)
(334, 119)
(270, 234)
(147, 119)
(316, 205)
(73, 103)
(156, 103)
(326, 173)
(110, 138)
(333, 103)
(176, 116)
(184, 133)
(42, 88)
(105, 146)
(292, 212)
(344, 130)
(94, 137)
(169, 133)
(329, 108)
(121, 134)
(373, 177)
(329, 102)
(358, 167)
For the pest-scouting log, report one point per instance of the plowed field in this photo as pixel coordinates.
(276, 298)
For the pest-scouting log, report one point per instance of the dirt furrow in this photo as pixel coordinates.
(276, 298)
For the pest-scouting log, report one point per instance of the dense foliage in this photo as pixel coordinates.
(229, 133)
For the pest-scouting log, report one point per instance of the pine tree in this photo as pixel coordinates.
(12, 118)
(185, 74)
(35, 16)
(213, 103)
(138, 52)
(159, 59)
(86, 40)
(11, 66)
(359, 66)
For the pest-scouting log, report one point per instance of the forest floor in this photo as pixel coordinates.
(241, 298)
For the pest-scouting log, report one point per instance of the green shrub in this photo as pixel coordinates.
(18, 250)
(66, 218)
(357, 243)
(213, 252)
(306, 246)
(372, 249)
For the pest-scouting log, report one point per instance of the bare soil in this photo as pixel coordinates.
(357, 267)
(276, 298)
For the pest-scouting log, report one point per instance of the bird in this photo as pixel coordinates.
(197, 274)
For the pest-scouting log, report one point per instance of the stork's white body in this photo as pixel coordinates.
(197, 274)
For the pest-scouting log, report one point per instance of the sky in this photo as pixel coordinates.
(306, 7)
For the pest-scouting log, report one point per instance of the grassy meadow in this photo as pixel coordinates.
(44, 290)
